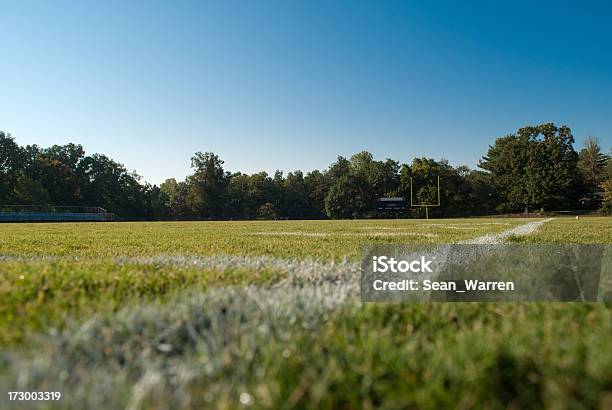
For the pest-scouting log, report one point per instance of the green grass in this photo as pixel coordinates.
(572, 230)
(197, 352)
(316, 239)
(38, 296)
(443, 356)
(100, 313)
(77, 275)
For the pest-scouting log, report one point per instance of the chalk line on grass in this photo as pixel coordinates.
(498, 238)
(386, 234)
(290, 233)
(309, 270)
(303, 234)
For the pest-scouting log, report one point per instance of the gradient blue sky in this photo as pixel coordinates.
(291, 85)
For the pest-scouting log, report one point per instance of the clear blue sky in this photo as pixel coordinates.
(292, 84)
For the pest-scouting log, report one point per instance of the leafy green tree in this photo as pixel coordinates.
(555, 172)
(606, 186)
(206, 187)
(317, 185)
(343, 199)
(592, 163)
(507, 161)
(367, 179)
(108, 184)
(363, 172)
(12, 162)
(28, 191)
(175, 196)
(534, 168)
(297, 201)
(387, 178)
(57, 169)
(237, 195)
(247, 193)
(156, 203)
(425, 172)
(481, 194)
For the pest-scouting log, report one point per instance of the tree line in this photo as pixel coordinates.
(534, 169)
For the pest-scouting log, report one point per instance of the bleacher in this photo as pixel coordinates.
(40, 213)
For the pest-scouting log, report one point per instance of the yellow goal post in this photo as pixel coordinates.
(426, 206)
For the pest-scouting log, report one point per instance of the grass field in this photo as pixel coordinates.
(257, 314)
(286, 239)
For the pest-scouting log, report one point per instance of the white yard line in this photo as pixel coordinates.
(498, 238)
(290, 233)
(300, 270)
(302, 234)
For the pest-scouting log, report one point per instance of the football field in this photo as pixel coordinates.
(267, 314)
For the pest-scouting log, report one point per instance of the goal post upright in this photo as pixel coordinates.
(426, 206)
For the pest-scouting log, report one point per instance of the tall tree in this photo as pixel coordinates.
(482, 196)
(12, 162)
(28, 191)
(344, 198)
(606, 186)
(207, 185)
(109, 185)
(592, 163)
(534, 168)
(297, 202)
(57, 169)
(175, 196)
(317, 185)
